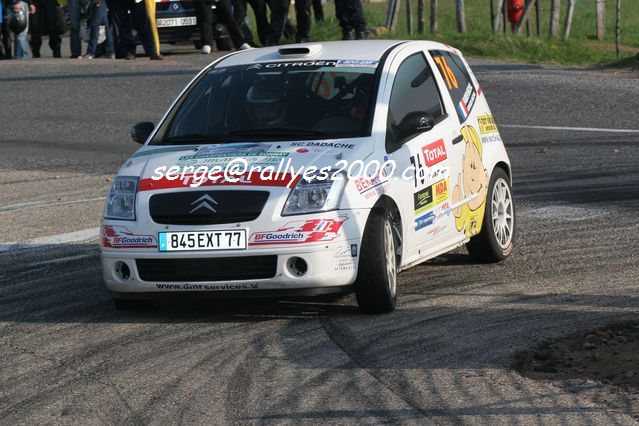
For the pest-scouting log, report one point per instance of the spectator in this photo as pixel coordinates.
(303, 17)
(126, 42)
(350, 15)
(279, 12)
(150, 11)
(20, 39)
(5, 46)
(44, 21)
(261, 21)
(74, 8)
(98, 13)
(318, 10)
(225, 13)
(241, 17)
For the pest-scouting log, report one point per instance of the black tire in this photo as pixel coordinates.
(197, 44)
(376, 284)
(490, 246)
(130, 304)
(223, 44)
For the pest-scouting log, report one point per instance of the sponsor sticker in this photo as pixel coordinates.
(467, 102)
(364, 185)
(434, 152)
(222, 159)
(207, 287)
(441, 191)
(424, 221)
(233, 148)
(423, 200)
(357, 63)
(486, 124)
(293, 64)
(438, 173)
(116, 236)
(491, 138)
(325, 144)
(435, 229)
(300, 232)
(345, 257)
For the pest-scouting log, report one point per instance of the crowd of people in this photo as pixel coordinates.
(23, 23)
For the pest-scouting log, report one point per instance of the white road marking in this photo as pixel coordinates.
(61, 259)
(576, 129)
(42, 204)
(565, 212)
(70, 237)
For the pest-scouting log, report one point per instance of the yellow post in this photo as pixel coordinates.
(150, 10)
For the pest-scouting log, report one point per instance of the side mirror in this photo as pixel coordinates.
(141, 131)
(416, 122)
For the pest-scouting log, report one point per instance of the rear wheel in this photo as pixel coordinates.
(376, 285)
(495, 241)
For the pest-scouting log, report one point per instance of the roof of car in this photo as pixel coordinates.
(330, 50)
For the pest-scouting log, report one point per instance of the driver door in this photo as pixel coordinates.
(421, 154)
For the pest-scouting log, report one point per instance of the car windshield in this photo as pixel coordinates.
(276, 101)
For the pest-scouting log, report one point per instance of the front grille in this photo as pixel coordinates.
(208, 269)
(207, 207)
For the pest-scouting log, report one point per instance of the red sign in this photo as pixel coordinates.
(434, 152)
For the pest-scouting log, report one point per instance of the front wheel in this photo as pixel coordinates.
(494, 243)
(376, 285)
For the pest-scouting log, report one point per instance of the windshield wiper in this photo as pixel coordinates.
(278, 131)
(192, 139)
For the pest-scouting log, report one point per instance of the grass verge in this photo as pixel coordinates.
(583, 49)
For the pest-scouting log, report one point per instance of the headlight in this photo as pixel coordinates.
(315, 196)
(120, 204)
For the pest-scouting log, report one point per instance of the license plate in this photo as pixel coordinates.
(203, 240)
(176, 22)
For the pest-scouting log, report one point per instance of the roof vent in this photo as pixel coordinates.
(300, 51)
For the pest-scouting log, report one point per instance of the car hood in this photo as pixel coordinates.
(281, 163)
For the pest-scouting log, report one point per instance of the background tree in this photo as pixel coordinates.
(601, 19)
(433, 16)
(555, 5)
(568, 23)
(461, 16)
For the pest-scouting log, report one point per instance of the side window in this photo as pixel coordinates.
(458, 82)
(414, 90)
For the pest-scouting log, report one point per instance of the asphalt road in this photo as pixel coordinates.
(445, 355)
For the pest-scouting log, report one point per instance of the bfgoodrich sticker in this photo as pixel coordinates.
(300, 232)
(115, 236)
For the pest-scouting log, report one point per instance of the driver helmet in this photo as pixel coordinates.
(265, 104)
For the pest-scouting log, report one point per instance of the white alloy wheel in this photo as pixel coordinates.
(391, 264)
(502, 213)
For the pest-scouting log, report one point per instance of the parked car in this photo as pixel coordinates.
(409, 164)
(177, 22)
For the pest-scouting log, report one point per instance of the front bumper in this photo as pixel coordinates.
(330, 265)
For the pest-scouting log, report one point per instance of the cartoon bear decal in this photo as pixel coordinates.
(471, 182)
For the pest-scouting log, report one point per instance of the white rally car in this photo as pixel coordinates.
(310, 169)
